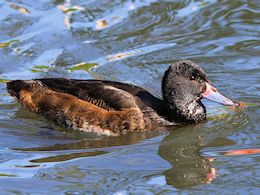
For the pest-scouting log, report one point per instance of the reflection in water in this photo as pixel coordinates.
(98, 142)
(182, 149)
(188, 167)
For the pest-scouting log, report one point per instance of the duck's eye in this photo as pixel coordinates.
(192, 77)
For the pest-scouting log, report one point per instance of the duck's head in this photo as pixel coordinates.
(184, 85)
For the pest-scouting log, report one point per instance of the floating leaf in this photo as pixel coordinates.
(68, 8)
(6, 44)
(39, 68)
(7, 175)
(19, 8)
(83, 66)
(101, 24)
(4, 80)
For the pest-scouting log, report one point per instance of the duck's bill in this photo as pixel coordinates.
(212, 94)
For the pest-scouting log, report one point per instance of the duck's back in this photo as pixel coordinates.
(105, 94)
(104, 107)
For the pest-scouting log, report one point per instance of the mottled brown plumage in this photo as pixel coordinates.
(72, 112)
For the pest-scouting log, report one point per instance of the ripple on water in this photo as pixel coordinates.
(134, 42)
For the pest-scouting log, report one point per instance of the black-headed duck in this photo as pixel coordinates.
(113, 108)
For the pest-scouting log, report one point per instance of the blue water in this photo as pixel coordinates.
(131, 41)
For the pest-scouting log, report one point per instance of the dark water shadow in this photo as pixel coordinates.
(96, 142)
(182, 149)
(90, 146)
(65, 157)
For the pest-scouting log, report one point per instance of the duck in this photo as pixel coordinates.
(114, 108)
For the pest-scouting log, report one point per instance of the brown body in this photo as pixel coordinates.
(72, 112)
(87, 114)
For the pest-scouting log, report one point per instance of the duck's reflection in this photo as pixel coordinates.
(97, 142)
(181, 150)
(189, 167)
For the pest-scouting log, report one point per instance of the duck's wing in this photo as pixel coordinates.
(112, 95)
(95, 92)
(106, 94)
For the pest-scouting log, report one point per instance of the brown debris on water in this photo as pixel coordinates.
(19, 8)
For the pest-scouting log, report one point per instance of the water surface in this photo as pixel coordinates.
(130, 41)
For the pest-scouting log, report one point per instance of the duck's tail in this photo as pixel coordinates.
(16, 86)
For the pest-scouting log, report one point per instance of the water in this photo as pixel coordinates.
(131, 41)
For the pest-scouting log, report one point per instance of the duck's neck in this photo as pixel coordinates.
(181, 106)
